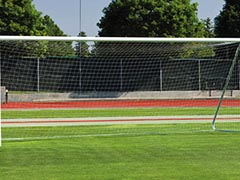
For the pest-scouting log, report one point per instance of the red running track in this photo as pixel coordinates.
(120, 104)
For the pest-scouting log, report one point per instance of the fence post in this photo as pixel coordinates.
(199, 75)
(161, 76)
(80, 74)
(38, 74)
(121, 75)
(238, 74)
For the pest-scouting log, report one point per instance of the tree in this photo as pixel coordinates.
(19, 17)
(155, 18)
(51, 28)
(55, 48)
(227, 23)
(82, 48)
(209, 28)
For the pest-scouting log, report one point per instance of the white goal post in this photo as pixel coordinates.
(115, 39)
(117, 67)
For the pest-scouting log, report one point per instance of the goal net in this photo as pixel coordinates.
(62, 87)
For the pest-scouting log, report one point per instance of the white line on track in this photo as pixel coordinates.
(115, 120)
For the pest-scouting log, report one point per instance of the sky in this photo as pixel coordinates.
(66, 13)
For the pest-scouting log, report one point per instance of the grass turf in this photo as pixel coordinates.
(124, 152)
(208, 156)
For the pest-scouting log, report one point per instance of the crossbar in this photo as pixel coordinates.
(116, 39)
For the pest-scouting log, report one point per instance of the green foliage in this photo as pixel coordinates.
(82, 48)
(196, 50)
(209, 28)
(155, 18)
(19, 17)
(51, 28)
(56, 48)
(227, 23)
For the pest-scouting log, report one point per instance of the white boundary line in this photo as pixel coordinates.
(94, 135)
(111, 121)
(36, 122)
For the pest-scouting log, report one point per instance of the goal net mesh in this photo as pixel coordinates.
(95, 87)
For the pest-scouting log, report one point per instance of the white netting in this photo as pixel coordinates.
(97, 70)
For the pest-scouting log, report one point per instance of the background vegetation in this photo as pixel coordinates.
(151, 18)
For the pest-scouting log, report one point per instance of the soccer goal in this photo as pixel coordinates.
(78, 86)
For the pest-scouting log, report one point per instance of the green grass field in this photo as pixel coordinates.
(72, 113)
(198, 156)
(120, 152)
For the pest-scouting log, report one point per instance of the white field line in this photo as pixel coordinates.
(91, 135)
(108, 121)
(115, 120)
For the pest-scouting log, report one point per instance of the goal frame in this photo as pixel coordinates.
(135, 39)
(116, 39)
(234, 62)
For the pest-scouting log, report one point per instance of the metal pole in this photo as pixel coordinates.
(161, 76)
(80, 75)
(199, 75)
(6, 96)
(238, 74)
(121, 75)
(38, 75)
(80, 16)
(80, 26)
(80, 45)
(226, 85)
